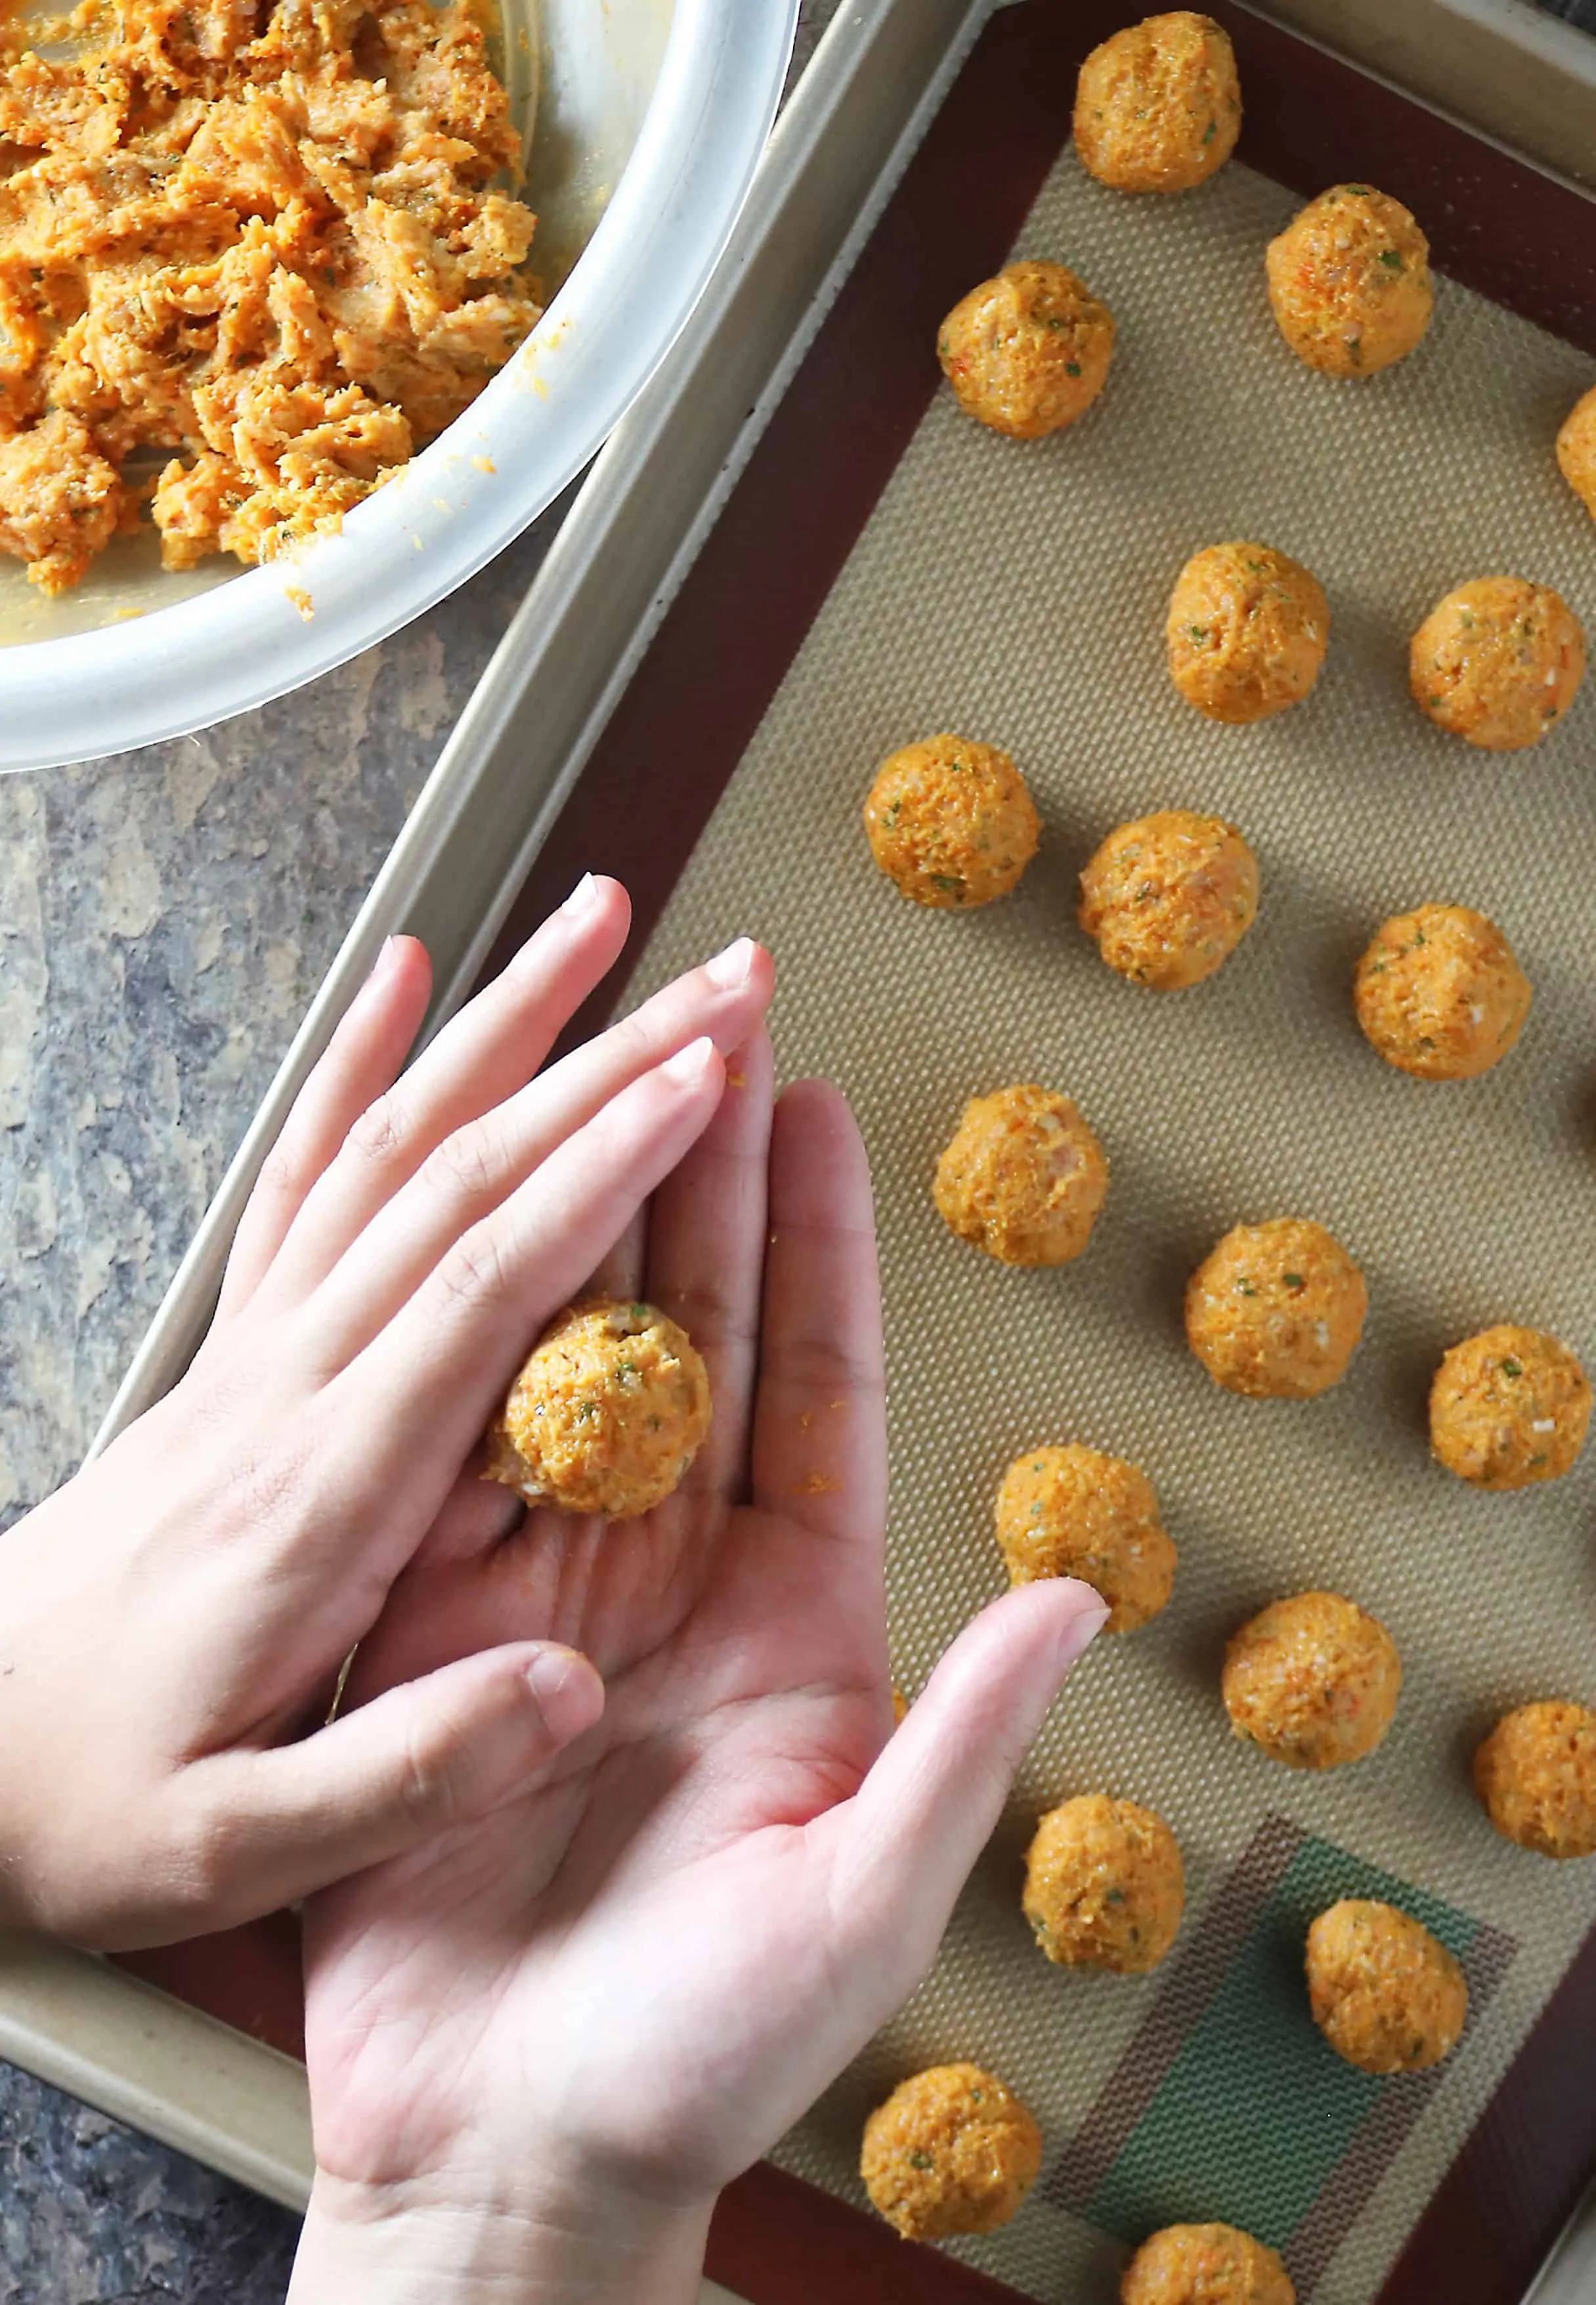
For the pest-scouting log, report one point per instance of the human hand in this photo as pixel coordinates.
(174, 1620)
(539, 2045)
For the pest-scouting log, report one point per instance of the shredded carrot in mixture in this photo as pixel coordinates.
(263, 242)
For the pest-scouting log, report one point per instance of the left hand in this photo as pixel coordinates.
(172, 1621)
(540, 2046)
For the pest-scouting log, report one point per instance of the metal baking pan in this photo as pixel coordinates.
(492, 835)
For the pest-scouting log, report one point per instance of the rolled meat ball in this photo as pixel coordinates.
(608, 1411)
(1312, 1680)
(950, 823)
(1497, 663)
(1024, 1176)
(1075, 1512)
(1438, 993)
(1349, 282)
(1168, 898)
(1510, 1407)
(1205, 2264)
(1246, 633)
(1104, 1885)
(1387, 1995)
(952, 2150)
(1275, 1311)
(1577, 450)
(1536, 1775)
(1028, 351)
(1159, 107)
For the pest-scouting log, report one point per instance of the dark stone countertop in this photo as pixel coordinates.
(165, 918)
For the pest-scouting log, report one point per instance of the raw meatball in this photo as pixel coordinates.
(1386, 1995)
(1205, 2264)
(1577, 450)
(1024, 1176)
(1027, 353)
(1276, 1310)
(1536, 1775)
(951, 822)
(1438, 993)
(1104, 1885)
(1158, 108)
(1507, 1407)
(1312, 1680)
(1497, 663)
(1075, 1513)
(1349, 281)
(1247, 632)
(1169, 897)
(609, 1410)
(953, 2150)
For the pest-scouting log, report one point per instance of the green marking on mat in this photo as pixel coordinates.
(1257, 2110)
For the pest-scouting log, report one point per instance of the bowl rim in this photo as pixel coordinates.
(169, 671)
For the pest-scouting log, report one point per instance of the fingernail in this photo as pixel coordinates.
(385, 960)
(1080, 1633)
(730, 968)
(563, 1682)
(581, 895)
(688, 1064)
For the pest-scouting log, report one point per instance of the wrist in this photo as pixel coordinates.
(425, 2243)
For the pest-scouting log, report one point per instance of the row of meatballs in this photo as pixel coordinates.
(1278, 1309)
(1028, 351)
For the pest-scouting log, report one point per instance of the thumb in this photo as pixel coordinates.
(426, 1755)
(913, 1832)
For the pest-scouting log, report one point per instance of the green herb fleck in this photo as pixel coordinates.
(1199, 632)
(643, 1311)
(625, 1368)
(921, 2161)
(1294, 1280)
(1363, 190)
(1512, 1368)
(1246, 1289)
(1389, 257)
(1071, 367)
(952, 883)
(1210, 131)
(1437, 699)
(1114, 1896)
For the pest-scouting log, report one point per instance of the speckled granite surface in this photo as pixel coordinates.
(164, 919)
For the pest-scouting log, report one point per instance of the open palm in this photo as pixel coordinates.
(643, 1967)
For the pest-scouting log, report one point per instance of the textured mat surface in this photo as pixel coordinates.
(1017, 592)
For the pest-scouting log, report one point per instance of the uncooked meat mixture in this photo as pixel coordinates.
(251, 258)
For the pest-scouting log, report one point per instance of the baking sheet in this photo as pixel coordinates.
(1017, 592)
(614, 659)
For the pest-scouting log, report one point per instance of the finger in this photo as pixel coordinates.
(484, 1055)
(820, 1444)
(908, 1839)
(372, 1039)
(621, 1273)
(473, 1172)
(476, 1516)
(442, 1363)
(706, 1258)
(424, 1757)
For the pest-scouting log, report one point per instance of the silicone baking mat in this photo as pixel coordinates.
(1015, 592)
(883, 569)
